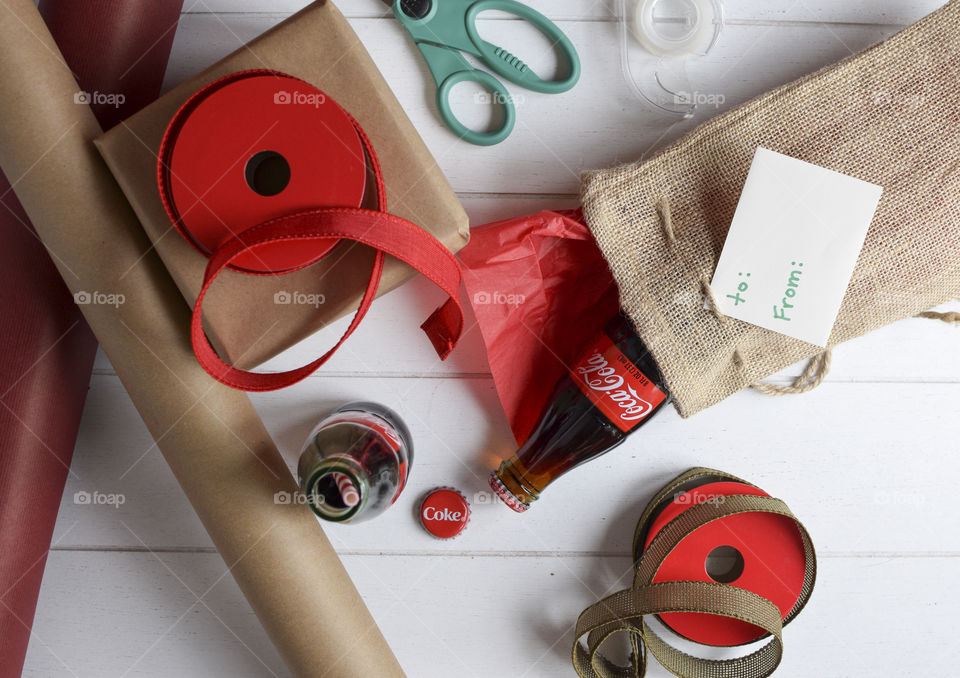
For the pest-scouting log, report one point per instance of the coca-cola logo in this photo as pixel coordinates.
(445, 514)
(599, 375)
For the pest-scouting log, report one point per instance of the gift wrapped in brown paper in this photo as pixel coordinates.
(241, 319)
(889, 116)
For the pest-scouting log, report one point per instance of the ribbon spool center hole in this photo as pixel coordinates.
(724, 564)
(267, 173)
(675, 19)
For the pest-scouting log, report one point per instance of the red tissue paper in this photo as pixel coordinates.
(541, 290)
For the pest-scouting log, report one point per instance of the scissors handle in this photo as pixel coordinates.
(449, 68)
(506, 65)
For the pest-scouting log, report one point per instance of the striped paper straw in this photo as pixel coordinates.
(348, 491)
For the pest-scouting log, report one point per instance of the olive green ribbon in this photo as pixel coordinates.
(624, 611)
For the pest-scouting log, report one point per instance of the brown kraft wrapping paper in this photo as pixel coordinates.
(242, 320)
(210, 434)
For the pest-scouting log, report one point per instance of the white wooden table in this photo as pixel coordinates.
(868, 461)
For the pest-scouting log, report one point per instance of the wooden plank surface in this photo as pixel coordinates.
(513, 616)
(841, 442)
(867, 461)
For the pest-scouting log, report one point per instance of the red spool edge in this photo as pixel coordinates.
(735, 632)
(169, 140)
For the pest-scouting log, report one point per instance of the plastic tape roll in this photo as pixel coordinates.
(690, 29)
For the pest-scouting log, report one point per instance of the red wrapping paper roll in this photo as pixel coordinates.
(46, 354)
(118, 50)
(115, 47)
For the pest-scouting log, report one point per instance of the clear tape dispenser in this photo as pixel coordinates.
(657, 40)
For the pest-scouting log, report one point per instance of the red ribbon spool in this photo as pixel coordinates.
(764, 553)
(263, 173)
(256, 146)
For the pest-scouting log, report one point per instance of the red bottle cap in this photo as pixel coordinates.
(445, 513)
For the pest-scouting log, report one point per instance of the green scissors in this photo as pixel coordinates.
(442, 29)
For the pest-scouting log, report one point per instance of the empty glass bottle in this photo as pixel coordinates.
(355, 463)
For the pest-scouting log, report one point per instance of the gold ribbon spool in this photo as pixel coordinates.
(624, 611)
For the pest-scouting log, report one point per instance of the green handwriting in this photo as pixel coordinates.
(793, 284)
(741, 288)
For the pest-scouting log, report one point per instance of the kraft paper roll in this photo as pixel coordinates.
(210, 434)
(46, 347)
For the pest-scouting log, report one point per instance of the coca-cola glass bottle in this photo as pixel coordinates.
(611, 391)
(355, 463)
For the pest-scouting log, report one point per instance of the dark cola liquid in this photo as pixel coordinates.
(612, 391)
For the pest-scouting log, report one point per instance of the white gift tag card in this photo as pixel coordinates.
(793, 246)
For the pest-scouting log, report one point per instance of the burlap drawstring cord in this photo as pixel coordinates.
(817, 369)
(624, 612)
(666, 219)
(712, 302)
(951, 317)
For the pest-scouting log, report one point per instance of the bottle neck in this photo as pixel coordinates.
(322, 487)
(511, 483)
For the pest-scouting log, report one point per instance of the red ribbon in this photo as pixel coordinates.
(386, 233)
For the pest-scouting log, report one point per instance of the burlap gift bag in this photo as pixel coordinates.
(890, 116)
